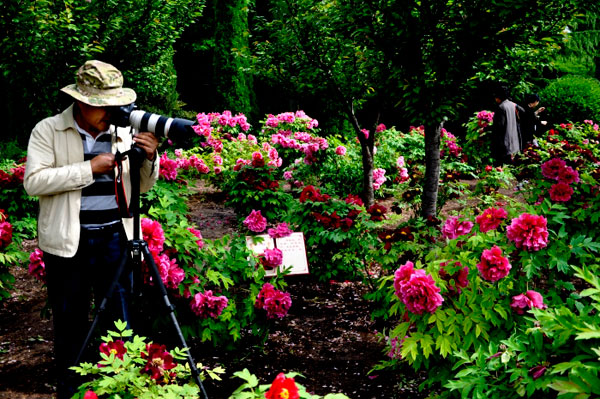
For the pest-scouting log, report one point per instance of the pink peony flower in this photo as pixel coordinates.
(528, 232)
(380, 128)
(90, 395)
(529, 300)
(416, 289)
(378, 178)
(281, 230)
(153, 234)
(493, 265)
(276, 303)
(551, 168)
(207, 305)
(255, 222)
(490, 219)
(198, 235)
(37, 267)
(340, 150)
(453, 228)
(365, 132)
(560, 192)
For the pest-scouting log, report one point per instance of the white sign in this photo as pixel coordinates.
(292, 247)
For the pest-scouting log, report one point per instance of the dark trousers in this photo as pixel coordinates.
(72, 283)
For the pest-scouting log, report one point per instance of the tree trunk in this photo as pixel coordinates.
(432, 169)
(366, 146)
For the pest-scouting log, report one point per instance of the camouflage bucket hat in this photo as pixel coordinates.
(100, 84)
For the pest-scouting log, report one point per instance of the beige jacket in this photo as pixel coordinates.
(56, 173)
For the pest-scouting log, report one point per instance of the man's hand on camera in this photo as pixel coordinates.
(103, 163)
(148, 142)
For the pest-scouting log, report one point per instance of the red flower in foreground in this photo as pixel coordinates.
(90, 395)
(283, 388)
(159, 361)
(560, 192)
(490, 219)
(493, 265)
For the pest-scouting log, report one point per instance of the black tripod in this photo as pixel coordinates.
(138, 247)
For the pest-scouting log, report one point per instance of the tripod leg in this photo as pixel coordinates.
(170, 308)
(102, 307)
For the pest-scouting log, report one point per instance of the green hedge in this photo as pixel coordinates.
(573, 98)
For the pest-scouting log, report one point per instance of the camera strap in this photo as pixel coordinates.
(120, 188)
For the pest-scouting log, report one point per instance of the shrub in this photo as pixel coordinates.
(573, 98)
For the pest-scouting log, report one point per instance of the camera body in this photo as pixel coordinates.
(175, 129)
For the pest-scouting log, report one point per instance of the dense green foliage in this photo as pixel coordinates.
(573, 98)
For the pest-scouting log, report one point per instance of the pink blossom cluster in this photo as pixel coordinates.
(484, 118)
(380, 128)
(378, 178)
(12, 178)
(454, 228)
(6, 231)
(340, 150)
(208, 305)
(299, 117)
(450, 142)
(490, 219)
(153, 234)
(276, 303)
(402, 171)
(281, 230)
(255, 222)
(591, 122)
(193, 162)
(207, 123)
(171, 274)
(416, 289)
(528, 232)
(557, 169)
(300, 141)
(493, 266)
(168, 167)
(529, 300)
(37, 268)
(198, 235)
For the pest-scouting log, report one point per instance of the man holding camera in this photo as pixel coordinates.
(81, 228)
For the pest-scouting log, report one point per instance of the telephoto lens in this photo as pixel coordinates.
(175, 129)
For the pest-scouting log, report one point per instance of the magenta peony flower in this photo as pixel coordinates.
(277, 305)
(552, 168)
(340, 150)
(529, 300)
(453, 228)
(416, 289)
(153, 234)
(493, 265)
(490, 219)
(568, 175)
(272, 258)
(37, 267)
(159, 361)
(5, 234)
(281, 230)
(90, 395)
(170, 273)
(528, 232)
(266, 291)
(207, 305)
(560, 192)
(380, 128)
(255, 222)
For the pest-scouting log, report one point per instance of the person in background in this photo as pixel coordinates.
(83, 233)
(506, 137)
(531, 125)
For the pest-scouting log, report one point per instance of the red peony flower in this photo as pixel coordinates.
(276, 303)
(5, 234)
(377, 212)
(37, 267)
(208, 305)
(560, 192)
(551, 168)
(493, 265)
(529, 300)
(282, 388)
(117, 348)
(310, 193)
(529, 232)
(153, 234)
(490, 219)
(198, 235)
(90, 395)
(159, 360)
(568, 175)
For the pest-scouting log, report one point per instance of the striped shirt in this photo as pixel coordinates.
(98, 202)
